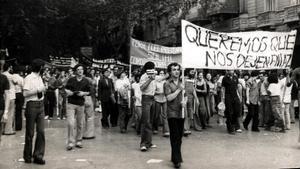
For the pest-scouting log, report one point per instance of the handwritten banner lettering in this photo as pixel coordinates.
(203, 48)
(142, 52)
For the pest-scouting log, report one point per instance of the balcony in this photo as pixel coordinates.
(266, 19)
(291, 13)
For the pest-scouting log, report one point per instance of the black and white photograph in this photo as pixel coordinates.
(149, 84)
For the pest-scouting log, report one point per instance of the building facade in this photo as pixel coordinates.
(228, 16)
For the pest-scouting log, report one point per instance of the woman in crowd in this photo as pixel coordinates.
(201, 90)
(210, 98)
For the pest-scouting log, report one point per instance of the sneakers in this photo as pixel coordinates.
(79, 145)
(46, 117)
(239, 130)
(166, 134)
(143, 148)
(155, 132)
(153, 146)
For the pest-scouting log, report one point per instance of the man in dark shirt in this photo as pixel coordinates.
(4, 85)
(77, 87)
(173, 90)
(232, 102)
(106, 96)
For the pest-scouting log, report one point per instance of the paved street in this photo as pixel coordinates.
(210, 149)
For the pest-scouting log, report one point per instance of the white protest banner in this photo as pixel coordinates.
(203, 48)
(142, 52)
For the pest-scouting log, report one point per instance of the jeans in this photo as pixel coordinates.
(232, 113)
(276, 116)
(265, 110)
(137, 118)
(124, 116)
(34, 117)
(189, 113)
(252, 115)
(75, 113)
(146, 121)
(176, 133)
(160, 113)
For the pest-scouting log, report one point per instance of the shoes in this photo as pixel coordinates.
(231, 132)
(166, 134)
(123, 131)
(239, 130)
(185, 133)
(153, 146)
(143, 148)
(39, 161)
(58, 118)
(88, 138)
(177, 165)
(69, 148)
(28, 161)
(46, 117)
(282, 130)
(245, 126)
(155, 131)
(79, 145)
(255, 130)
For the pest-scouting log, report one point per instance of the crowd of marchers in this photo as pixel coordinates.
(146, 100)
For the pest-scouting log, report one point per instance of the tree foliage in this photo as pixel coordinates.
(39, 28)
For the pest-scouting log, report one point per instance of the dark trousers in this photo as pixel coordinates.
(50, 103)
(34, 116)
(265, 110)
(114, 113)
(176, 126)
(124, 116)
(146, 121)
(107, 109)
(19, 105)
(232, 113)
(252, 115)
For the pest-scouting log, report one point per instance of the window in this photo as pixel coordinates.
(270, 5)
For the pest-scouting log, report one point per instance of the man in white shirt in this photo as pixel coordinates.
(275, 92)
(147, 85)
(34, 90)
(10, 94)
